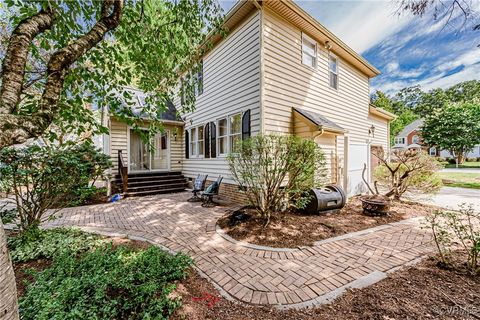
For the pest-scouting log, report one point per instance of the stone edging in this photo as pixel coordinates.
(225, 236)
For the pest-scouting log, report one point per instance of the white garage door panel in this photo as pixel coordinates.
(357, 156)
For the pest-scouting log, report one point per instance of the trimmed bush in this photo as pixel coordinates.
(276, 171)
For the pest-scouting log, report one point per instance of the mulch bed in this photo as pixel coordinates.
(420, 292)
(424, 291)
(292, 229)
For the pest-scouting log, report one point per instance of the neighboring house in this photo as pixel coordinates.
(411, 138)
(277, 71)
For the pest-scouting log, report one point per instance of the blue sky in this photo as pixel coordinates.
(407, 50)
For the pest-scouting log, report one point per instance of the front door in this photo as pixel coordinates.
(144, 158)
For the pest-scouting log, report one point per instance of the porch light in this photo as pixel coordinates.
(175, 136)
(371, 131)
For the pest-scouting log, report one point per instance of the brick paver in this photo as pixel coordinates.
(256, 275)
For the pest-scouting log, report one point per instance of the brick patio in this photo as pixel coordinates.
(291, 278)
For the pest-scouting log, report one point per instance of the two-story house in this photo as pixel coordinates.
(411, 138)
(278, 71)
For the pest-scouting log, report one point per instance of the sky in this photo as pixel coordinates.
(408, 50)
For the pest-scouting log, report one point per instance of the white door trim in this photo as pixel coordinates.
(169, 154)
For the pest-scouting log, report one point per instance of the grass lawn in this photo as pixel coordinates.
(473, 164)
(461, 180)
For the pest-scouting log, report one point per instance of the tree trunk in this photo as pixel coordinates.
(8, 289)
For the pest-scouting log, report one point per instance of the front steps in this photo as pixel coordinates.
(148, 183)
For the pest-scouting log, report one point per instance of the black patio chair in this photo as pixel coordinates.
(198, 186)
(210, 192)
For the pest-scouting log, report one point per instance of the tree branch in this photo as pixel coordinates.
(16, 128)
(13, 68)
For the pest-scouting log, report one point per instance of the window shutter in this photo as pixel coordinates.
(246, 125)
(187, 145)
(213, 140)
(206, 140)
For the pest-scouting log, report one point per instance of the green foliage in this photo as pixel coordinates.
(408, 170)
(43, 178)
(455, 127)
(106, 283)
(277, 170)
(412, 103)
(47, 244)
(453, 228)
(156, 41)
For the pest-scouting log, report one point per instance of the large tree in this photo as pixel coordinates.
(455, 127)
(62, 55)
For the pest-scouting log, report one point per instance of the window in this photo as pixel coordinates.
(200, 145)
(193, 141)
(433, 151)
(399, 140)
(416, 139)
(197, 146)
(222, 136)
(309, 51)
(193, 86)
(333, 72)
(235, 131)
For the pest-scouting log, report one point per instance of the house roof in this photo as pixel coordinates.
(320, 121)
(138, 102)
(381, 112)
(415, 125)
(289, 10)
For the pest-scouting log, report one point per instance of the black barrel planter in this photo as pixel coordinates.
(329, 198)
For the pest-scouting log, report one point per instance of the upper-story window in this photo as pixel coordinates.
(333, 71)
(433, 151)
(309, 51)
(416, 139)
(194, 85)
(399, 140)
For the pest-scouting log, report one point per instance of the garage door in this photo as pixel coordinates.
(357, 156)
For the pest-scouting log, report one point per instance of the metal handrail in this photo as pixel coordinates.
(122, 171)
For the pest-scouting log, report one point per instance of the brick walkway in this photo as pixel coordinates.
(292, 278)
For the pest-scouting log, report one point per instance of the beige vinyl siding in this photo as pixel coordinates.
(289, 83)
(119, 141)
(231, 73)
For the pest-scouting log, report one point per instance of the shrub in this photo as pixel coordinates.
(276, 171)
(43, 178)
(452, 228)
(106, 283)
(408, 170)
(50, 243)
(452, 161)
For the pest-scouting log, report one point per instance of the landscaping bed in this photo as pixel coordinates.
(292, 229)
(423, 291)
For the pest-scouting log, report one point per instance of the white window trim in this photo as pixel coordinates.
(226, 118)
(228, 134)
(315, 60)
(331, 55)
(194, 139)
(400, 140)
(434, 149)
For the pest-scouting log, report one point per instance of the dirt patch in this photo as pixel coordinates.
(421, 292)
(290, 229)
(22, 275)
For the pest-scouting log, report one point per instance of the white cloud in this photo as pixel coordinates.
(471, 72)
(360, 24)
(466, 59)
(392, 67)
